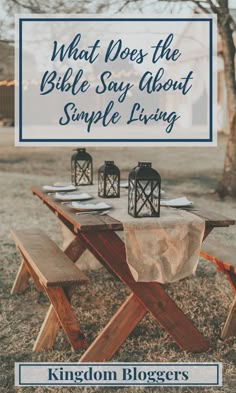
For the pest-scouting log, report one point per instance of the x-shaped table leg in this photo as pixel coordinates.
(109, 249)
(229, 328)
(116, 331)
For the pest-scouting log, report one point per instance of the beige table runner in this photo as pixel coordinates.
(163, 249)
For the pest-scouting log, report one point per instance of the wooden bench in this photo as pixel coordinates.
(55, 274)
(225, 261)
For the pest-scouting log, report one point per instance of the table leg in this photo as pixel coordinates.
(48, 331)
(208, 230)
(65, 315)
(75, 249)
(229, 328)
(116, 331)
(67, 235)
(22, 279)
(110, 250)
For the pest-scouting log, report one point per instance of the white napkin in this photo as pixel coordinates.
(177, 202)
(59, 188)
(72, 197)
(59, 184)
(90, 206)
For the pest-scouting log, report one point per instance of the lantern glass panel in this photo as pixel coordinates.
(144, 191)
(101, 180)
(109, 180)
(81, 168)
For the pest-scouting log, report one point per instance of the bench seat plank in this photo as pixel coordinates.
(49, 262)
(218, 253)
(225, 260)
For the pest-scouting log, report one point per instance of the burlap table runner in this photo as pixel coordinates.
(164, 249)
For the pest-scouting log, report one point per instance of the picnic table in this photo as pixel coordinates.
(97, 233)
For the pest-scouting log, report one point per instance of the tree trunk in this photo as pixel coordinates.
(227, 184)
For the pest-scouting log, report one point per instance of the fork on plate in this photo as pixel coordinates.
(94, 212)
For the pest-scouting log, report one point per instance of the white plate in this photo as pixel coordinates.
(72, 197)
(60, 188)
(177, 202)
(90, 206)
(124, 184)
(59, 184)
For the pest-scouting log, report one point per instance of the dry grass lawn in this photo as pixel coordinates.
(205, 297)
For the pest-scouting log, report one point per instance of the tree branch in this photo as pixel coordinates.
(206, 10)
(200, 6)
(29, 6)
(7, 41)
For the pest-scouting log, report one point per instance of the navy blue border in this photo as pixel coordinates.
(119, 364)
(209, 20)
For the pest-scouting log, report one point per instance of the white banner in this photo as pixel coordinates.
(118, 374)
(97, 80)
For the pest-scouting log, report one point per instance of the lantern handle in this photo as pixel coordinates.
(79, 149)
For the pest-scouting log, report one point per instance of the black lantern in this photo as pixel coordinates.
(109, 180)
(81, 168)
(144, 191)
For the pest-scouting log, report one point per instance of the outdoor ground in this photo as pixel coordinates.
(205, 297)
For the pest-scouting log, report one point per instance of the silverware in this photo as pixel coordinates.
(94, 212)
(69, 202)
(104, 212)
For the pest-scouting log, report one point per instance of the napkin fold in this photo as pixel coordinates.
(90, 206)
(59, 188)
(166, 250)
(176, 202)
(72, 197)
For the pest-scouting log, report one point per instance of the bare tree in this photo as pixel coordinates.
(226, 27)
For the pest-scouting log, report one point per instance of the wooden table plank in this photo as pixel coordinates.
(84, 222)
(212, 218)
(89, 222)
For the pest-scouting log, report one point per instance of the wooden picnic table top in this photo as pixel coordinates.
(97, 234)
(90, 222)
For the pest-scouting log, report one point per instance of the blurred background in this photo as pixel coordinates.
(207, 176)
